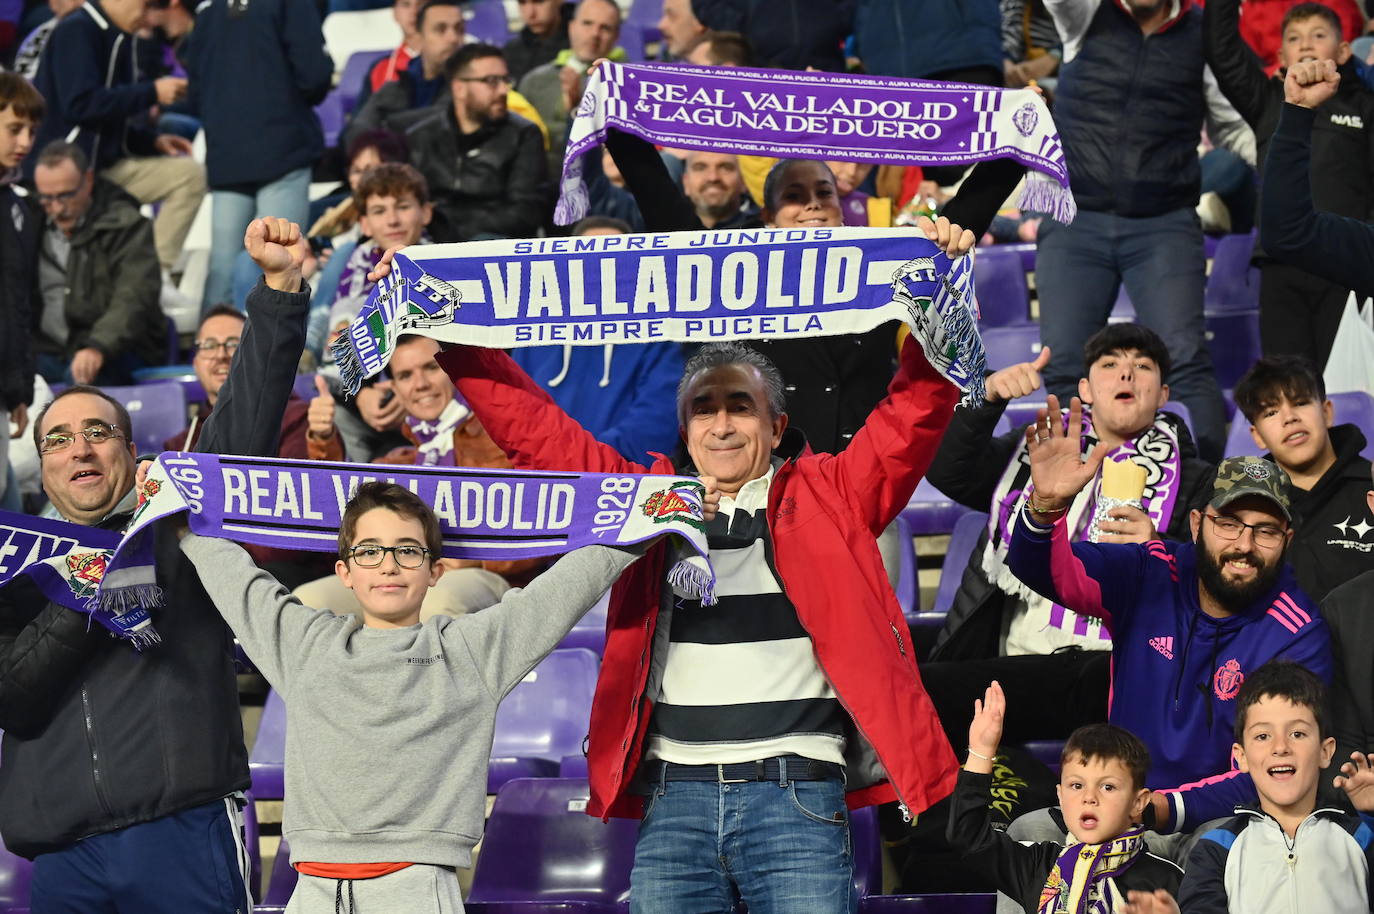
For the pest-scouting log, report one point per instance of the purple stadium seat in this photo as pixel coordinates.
(908, 586)
(267, 761)
(486, 21)
(332, 115)
(251, 843)
(961, 544)
(543, 853)
(354, 74)
(281, 884)
(632, 41)
(158, 412)
(1000, 282)
(1048, 752)
(1123, 310)
(573, 766)
(867, 846)
(544, 718)
(1233, 340)
(930, 511)
(1024, 250)
(1356, 407)
(1233, 285)
(15, 875)
(929, 904)
(304, 386)
(646, 12)
(1178, 409)
(1238, 440)
(1007, 346)
(590, 630)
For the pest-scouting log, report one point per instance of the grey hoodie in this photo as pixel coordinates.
(389, 730)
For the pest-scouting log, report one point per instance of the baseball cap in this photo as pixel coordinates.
(1238, 477)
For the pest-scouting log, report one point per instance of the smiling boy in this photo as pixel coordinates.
(423, 696)
(1102, 796)
(1288, 855)
(1284, 400)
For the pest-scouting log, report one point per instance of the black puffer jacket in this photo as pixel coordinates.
(493, 181)
(1334, 541)
(98, 736)
(785, 34)
(967, 468)
(21, 231)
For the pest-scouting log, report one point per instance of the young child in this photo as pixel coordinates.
(389, 721)
(1101, 794)
(1288, 855)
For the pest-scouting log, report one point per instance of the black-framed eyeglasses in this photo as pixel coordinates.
(491, 82)
(64, 197)
(210, 344)
(1228, 528)
(371, 555)
(60, 441)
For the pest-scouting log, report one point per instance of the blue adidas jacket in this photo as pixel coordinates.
(615, 392)
(1175, 669)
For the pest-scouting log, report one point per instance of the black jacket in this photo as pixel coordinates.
(1020, 870)
(1349, 613)
(1343, 142)
(526, 50)
(98, 736)
(967, 468)
(1333, 247)
(257, 69)
(493, 181)
(89, 78)
(785, 34)
(832, 383)
(1129, 108)
(21, 233)
(1333, 541)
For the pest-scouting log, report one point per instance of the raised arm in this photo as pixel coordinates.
(269, 622)
(247, 418)
(507, 640)
(662, 203)
(522, 418)
(1238, 71)
(1333, 247)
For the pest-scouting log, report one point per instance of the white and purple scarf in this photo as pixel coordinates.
(1156, 449)
(1082, 880)
(295, 504)
(809, 115)
(674, 287)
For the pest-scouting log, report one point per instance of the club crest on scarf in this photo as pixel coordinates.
(676, 503)
(85, 571)
(418, 304)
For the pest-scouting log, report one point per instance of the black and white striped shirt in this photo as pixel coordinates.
(740, 681)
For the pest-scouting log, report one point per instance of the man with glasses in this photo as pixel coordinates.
(98, 276)
(123, 770)
(1189, 621)
(217, 340)
(485, 166)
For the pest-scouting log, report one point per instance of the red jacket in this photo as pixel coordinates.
(824, 513)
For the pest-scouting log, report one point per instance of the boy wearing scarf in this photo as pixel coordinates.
(422, 695)
(1102, 796)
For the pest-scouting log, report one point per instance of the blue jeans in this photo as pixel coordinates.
(288, 197)
(1078, 271)
(193, 860)
(780, 846)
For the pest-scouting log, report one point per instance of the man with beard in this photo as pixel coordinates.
(712, 182)
(484, 165)
(1189, 621)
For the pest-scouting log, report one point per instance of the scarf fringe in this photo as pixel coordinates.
(691, 577)
(1043, 194)
(116, 601)
(346, 360)
(145, 638)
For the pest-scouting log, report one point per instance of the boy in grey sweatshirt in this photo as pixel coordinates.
(389, 721)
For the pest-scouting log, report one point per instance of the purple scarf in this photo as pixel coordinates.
(810, 115)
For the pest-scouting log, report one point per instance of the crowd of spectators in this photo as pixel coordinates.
(1154, 634)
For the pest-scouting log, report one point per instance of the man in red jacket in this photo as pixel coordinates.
(736, 730)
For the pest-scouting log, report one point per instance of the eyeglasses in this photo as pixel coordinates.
(60, 441)
(64, 197)
(1228, 528)
(210, 344)
(371, 555)
(491, 82)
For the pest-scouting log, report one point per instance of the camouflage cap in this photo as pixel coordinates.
(1238, 477)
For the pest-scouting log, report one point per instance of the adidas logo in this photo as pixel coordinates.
(1165, 645)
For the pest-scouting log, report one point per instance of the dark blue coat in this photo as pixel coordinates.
(901, 38)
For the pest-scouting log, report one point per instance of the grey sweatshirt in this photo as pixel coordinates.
(389, 731)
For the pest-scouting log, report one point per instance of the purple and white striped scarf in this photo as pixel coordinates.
(810, 115)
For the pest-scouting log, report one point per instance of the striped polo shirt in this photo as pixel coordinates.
(739, 680)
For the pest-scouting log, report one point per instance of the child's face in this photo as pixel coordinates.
(389, 593)
(1294, 431)
(395, 220)
(1284, 754)
(1313, 38)
(16, 138)
(1099, 798)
